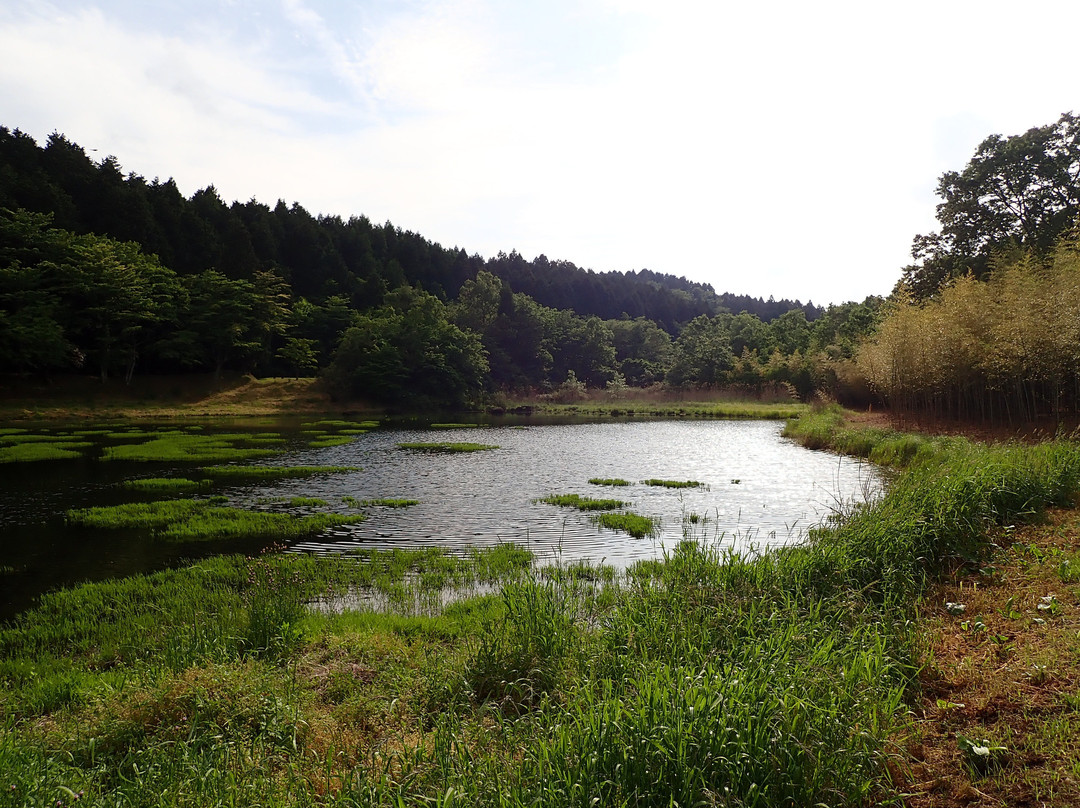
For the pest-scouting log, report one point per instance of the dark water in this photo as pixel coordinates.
(759, 490)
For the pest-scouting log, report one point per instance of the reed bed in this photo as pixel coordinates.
(702, 678)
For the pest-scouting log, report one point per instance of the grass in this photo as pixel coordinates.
(274, 472)
(164, 484)
(447, 447)
(582, 503)
(614, 481)
(454, 426)
(823, 673)
(34, 452)
(385, 502)
(180, 446)
(636, 525)
(200, 520)
(673, 483)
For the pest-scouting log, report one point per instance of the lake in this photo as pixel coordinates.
(757, 490)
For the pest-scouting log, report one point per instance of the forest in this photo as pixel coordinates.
(105, 273)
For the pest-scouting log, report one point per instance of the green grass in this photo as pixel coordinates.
(674, 483)
(274, 472)
(198, 520)
(447, 447)
(164, 484)
(699, 678)
(181, 446)
(353, 502)
(636, 525)
(582, 503)
(454, 426)
(615, 481)
(34, 452)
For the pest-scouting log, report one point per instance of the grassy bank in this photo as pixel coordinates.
(784, 679)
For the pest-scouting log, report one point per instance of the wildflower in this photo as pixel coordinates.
(1046, 603)
(954, 608)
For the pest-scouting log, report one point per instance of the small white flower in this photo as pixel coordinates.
(1046, 603)
(954, 608)
(982, 751)
(1038, 621)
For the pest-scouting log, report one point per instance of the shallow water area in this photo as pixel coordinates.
(757, 490)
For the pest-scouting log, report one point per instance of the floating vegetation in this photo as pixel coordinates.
(674, 483)
(12, 430)
(353, 431)
(637, 526)
(191, 520)
(454, 426)
(31, 452)
(353, 502)
(274, 472)
(164, 484)
(339, 424)
(182, 446)
(447, 447)
(324, 443)
(608, 481)
(25, 438)
(582, 503)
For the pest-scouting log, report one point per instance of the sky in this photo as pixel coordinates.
(785, 148)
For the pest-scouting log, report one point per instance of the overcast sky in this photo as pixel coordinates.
(787, 148)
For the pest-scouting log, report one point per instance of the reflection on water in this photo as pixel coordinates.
(759, 490)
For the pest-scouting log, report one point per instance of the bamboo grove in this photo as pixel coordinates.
(1003, 350)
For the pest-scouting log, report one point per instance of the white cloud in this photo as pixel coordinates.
(787, 148)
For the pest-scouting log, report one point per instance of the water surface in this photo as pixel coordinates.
(758, 490)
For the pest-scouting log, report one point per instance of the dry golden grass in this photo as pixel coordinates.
(996, 672)
(169, 397)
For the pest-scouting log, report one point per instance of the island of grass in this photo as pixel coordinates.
(454, 426)
(614, 481)
(674, 483)
(441, 447)
(165, 484)
(385, 502)
(636, 525)
(274, 472)
(199, 520)
(33, 452)
(177, 446)
(582, 503)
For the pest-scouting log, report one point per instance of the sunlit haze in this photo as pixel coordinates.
(787, 149)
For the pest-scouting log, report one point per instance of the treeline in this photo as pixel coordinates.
(987, 325)
(318, 257)
(1006, 349)
(83, 302)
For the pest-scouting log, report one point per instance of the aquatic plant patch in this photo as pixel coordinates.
(613, 481)
(454, 426)
(674, 483)
(33, 452)
(636, 525)
(186, 447)
(165, 484)
(447, 448)
(189, 520)
(274, 472)
(582, 503)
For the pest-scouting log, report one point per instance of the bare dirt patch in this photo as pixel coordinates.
(1001, 673)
